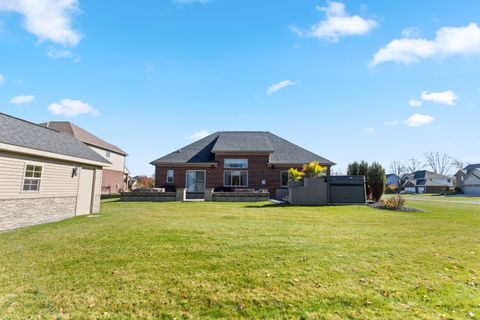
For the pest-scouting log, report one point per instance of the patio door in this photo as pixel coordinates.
(195, 181)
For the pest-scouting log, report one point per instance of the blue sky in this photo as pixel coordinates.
(350, 80)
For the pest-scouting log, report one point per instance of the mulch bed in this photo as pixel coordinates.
(383, 207)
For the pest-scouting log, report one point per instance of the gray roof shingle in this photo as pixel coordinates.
(82, 135)
(22, 133)
(281, 151)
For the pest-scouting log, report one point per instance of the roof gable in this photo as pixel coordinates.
(18, 132)
(82, 135)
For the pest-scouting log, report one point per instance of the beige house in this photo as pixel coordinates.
(115, 175)
(468, 179)
(45, 175)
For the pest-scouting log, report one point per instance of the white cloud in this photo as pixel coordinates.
(72, 108)
(2, 79)
(448, 41)
(49, 20)
(415, 103)
(337, 24)
(21, 99)
(411, 32)
(279, 86)
(59, 53)
(418, 120)
(444, 97)
(391, 123)
(369, 130)
(199, 135)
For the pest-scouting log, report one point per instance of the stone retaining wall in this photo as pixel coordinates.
(240, 196)
(148, 196)
(17, 213)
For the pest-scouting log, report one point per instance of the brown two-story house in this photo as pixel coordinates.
(234, 160)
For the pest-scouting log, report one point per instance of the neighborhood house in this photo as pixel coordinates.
(115, 175)
(468, 179)
(425, 181)
(233, 161)
(45, 175)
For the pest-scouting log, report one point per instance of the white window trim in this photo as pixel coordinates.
(108, 154)
(281, 172)
(235, 168)
(173, 176)
(241, 186)
(24, 177)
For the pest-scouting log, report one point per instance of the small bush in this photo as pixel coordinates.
(376, 180)
(295, 175)
(395, 202)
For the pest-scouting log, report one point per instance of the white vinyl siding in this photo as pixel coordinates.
(117, 160)
(57, 179)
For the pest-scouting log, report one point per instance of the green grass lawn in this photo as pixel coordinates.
(215, 260)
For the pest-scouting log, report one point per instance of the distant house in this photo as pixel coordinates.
(468, 179)
(234, 160)
(115, 176)
(45, 175)
(425, 181)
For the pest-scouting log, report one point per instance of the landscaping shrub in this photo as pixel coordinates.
(169, 188)
(376, 180)
(395, 202)
(313, 170)
(360, 169)
(295, 175)
(352, 169)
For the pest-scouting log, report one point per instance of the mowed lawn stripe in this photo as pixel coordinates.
(216, 260)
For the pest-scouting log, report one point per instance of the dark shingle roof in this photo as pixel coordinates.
(471, 167)
(82, 135)
(281, 151)
(424, 178)
(22, 133)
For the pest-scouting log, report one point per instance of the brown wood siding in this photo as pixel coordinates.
(257, 171)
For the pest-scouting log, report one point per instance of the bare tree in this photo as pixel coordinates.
(458, 164)
(439, 162)
(413, 165)
(397, 168)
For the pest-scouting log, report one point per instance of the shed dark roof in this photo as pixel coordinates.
(281, 151)
(82, 135)
(18, 132)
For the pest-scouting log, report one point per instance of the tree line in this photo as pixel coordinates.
(437, 162)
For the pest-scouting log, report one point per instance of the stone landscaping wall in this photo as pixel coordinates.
(240, 196)
(17, 213)
(148, 196)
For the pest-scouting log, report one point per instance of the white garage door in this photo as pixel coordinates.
(474, 191)
(85, 191)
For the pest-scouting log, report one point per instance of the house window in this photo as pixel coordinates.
(33, 177)
(235, 178)
(169, 176)
(235, 163)
(449, 180)
(108, 154)
(284, 178)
